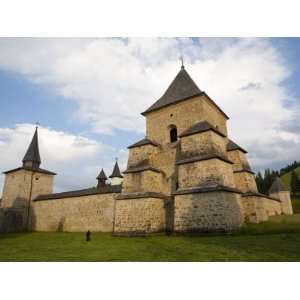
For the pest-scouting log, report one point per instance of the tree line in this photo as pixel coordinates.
(265, 180)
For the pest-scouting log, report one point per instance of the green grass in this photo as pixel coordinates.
(275, 240)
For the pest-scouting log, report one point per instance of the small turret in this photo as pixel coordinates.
(32, 157)
(279, 191)
(116, 176)
(101, 179)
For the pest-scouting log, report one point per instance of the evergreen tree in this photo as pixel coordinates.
(259, 182)
(295, 183)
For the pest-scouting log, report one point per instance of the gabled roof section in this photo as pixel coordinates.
(201, 127)
(181, 88)
(33, 153)
(277, 186)
(32, 169)
(143, 142)
(233, 146)
(116, 171)
(101, 175)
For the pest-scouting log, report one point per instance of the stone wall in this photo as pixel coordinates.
(245, 181)
(145, 181)
(19, 185)
(285, 202)
(183, 115)
(140, 154)
(140, 215)
(215, 211)
(239, 159)
(207, 142)
(200, 172)
(93, 212)
(257, 208)
(213, 115)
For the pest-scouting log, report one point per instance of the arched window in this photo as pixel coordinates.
(173, 134)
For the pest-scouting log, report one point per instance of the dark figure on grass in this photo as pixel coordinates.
(88, 236)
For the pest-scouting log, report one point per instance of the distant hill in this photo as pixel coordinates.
(286, 178)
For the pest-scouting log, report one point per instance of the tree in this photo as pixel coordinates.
(295, 183)
(259, 182)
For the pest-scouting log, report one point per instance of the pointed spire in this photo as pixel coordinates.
(101, 178)
(277, 186)
(32, 157)
(181, 88)
(116, 171)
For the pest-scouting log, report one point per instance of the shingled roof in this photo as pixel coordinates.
(182, 87)
(143, 142)
(33, 154)
(201, 127)
(277, 186)
(37, 170)
(101, 175)
(107, 189)
(116, 171)
(233, 146)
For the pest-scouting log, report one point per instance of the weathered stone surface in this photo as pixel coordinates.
(285, 201)
(94, 213)
(19, 186)
(140, 215)
(184, 114)
(216, 211)
(198, 173)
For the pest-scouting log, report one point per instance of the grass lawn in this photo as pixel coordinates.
(275, 240)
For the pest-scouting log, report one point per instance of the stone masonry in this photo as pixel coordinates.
(185, 175)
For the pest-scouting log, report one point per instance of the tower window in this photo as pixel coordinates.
(173, 134)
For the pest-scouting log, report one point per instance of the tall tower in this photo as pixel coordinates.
(179, 177)
(23, 184)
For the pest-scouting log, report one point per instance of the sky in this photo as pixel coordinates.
(87, 95)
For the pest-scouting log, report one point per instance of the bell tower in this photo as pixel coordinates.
(24, 183)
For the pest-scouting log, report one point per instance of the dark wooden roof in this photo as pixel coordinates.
(116, 171)
(143, 142)
(201, 127)
(260, 195)
(191, 159)
(33, 169)
(207, 188)
(33, 153)
(107, 189)
(101, 175)
(182, 87)
(140, 195)
(277, 186)
(233, 146)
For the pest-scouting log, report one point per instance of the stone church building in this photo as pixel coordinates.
(186, 175)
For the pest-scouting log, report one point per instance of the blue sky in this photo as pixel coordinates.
(87, 95)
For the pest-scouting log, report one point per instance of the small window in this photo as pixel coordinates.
(173, 134)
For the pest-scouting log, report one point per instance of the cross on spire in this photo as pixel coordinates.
(182, 63)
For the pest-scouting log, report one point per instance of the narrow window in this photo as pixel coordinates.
(173, 134)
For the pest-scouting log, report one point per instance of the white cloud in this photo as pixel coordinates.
(113, 80)
(76, 159)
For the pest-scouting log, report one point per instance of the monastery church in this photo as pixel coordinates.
(186, 175)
